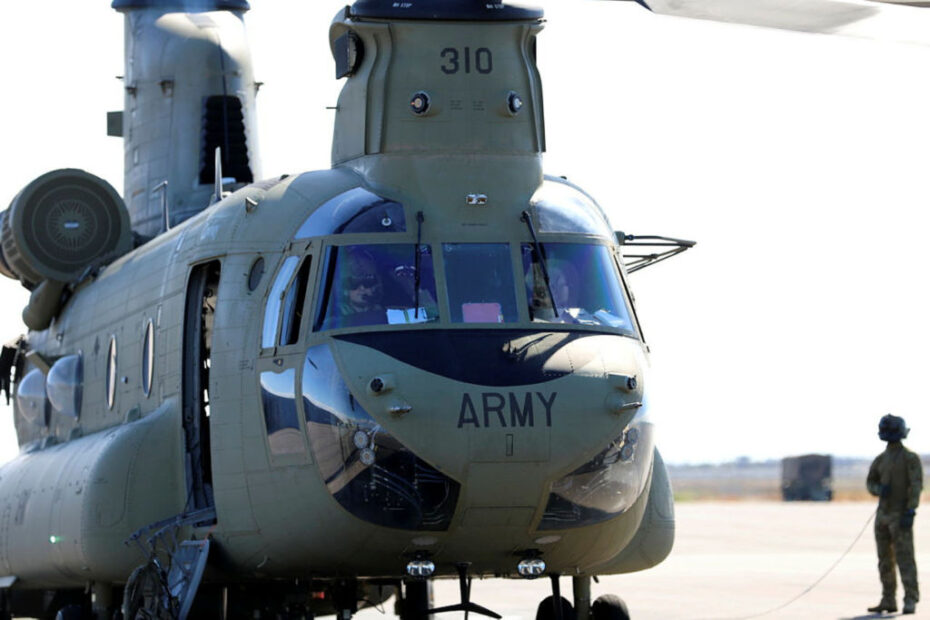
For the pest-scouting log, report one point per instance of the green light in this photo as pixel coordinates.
(54, 539)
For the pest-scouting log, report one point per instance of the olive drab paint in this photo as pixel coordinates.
(428, 350)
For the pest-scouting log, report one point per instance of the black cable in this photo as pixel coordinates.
(817, 582)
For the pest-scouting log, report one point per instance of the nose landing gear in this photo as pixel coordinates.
(556, 607)
(465, 591)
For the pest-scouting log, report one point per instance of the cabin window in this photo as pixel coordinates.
(256, 273)
(275, 298)
(280, 407)
(31, 398)
(64, 385)
(560, 208)
(390, 284)
(148, 357)
(584, 286)
(354, 211)
(111, 373)
(479, 277)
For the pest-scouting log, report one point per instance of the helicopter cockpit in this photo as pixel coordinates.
(570, 278)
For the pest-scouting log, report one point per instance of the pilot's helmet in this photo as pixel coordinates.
(892, 428)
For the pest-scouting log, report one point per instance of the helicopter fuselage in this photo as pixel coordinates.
(479, 417)
(428, 352)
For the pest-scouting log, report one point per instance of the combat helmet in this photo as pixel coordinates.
(892, 428)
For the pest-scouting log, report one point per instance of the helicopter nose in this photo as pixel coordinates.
(468, 401)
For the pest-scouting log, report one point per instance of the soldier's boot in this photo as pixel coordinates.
(887, 604)
(910, 606)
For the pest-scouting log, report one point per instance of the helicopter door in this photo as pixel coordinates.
(200, 307)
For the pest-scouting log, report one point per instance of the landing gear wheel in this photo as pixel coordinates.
(546, 610)
(145, 598)
(609, 607)
(71, 612)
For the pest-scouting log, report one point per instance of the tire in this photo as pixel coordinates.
(71, 612)
(609, 607)
(416, 600)
(546, 610)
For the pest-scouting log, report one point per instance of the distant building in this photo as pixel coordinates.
(807, 478)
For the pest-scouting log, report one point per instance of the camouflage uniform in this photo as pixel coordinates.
(896, 477)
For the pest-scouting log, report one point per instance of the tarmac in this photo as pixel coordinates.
(733, 561)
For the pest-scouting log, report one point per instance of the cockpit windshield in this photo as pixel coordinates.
(377, 284)
(583, 287)
(479, 277)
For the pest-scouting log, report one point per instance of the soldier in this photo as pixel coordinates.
(896, 478)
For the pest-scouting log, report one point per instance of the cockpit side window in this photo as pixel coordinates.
(383, 284)
(294, 305)
(584, 286)
(480, 282)
(354, 211)
(275, 299)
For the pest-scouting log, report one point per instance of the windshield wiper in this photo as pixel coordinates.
(538, 250)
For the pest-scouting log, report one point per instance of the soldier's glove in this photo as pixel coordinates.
(885, 491)
(907, 519)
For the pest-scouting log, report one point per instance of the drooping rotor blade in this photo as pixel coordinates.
(903, 22)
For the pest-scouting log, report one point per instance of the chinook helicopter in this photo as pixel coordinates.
(209, 376)
(430, 348)
(200, 399)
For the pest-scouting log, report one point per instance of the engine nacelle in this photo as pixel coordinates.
(61, 223)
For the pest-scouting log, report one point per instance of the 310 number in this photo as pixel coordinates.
(454, 61)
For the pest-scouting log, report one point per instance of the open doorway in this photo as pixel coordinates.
(199, 313)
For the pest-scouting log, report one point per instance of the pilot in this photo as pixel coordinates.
(896, 478)
(360, 303)
(562, 280)
(405, 278)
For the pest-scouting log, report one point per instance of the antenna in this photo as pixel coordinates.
(163, 188)
(217, 175)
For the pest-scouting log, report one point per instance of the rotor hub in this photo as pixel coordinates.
(452, 10)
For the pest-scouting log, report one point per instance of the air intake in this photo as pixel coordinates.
(224, 127)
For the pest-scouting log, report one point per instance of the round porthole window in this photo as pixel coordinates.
(148, 358)
(111, 373)
(256, 273)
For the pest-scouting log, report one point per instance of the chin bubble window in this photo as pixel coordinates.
(387, 284)
(280, 408)
(480, 282)
(369, 472)
(605, 486)
(583, 286)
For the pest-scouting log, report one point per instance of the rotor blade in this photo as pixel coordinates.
(891, 21)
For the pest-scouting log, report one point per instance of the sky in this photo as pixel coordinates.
(798, 162)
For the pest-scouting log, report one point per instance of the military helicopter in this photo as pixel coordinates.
(245, 508)
(431, 348)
